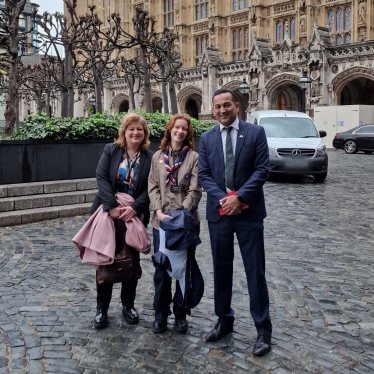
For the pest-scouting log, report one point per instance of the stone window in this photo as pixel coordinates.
(246, 44)
(234, 56)
(234, 5)
(246, 3)
(330, 21)
(201, 9)
(293, 29)
(200, 44)
(339, 19)
(22, 21)
(234, 39)
(168, 13)
(278, 31)
(240, 40)
(347, 38)
(339, 40)
(347, 18)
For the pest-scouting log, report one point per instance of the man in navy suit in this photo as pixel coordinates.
(234, 156)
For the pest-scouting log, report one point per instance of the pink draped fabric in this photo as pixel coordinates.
(96, 239)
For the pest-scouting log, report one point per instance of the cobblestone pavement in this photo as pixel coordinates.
(319, 249)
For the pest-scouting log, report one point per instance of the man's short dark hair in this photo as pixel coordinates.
(223, 91)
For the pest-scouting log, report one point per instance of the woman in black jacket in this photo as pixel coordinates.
(123, 167)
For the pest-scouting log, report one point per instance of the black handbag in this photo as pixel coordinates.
(126, 264)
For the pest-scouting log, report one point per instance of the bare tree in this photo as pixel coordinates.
(10, 39)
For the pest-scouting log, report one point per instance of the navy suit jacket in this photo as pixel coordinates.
(251, 170)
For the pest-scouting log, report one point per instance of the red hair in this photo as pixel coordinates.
(166, 140)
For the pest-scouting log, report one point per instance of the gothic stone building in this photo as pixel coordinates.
(268, 42)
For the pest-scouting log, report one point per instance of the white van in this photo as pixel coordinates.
(295, 145)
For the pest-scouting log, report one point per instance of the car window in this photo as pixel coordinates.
(359, 131)
(288, 127)
(369, 129)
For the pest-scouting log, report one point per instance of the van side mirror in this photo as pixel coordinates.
(322, 133)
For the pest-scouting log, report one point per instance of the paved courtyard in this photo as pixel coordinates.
(319, 249)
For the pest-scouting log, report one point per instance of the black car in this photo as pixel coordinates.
(360, 138)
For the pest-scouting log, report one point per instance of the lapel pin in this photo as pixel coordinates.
(240, 136)
(161, 161)
(187, 177)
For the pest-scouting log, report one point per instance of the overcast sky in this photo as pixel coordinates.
(50, 6)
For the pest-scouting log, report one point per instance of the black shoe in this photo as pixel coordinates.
(262, 346)
(101, 318)
(131, 315)
(159, 326)
(220, 330)
(180, 324)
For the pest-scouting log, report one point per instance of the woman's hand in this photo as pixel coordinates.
(128, 213)
(161, 216)
(115, 213)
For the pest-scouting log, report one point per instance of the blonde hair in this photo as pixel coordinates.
(127, 120)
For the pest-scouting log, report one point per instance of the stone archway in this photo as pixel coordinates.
(124, 106)
(156, 101)
(190, 100)
(354, 86)
(284, 92)
(119, 102)
(234, 87)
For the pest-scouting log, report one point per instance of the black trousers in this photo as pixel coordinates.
(128, 289)
(162, 282)
(104, 294)
(250, 236)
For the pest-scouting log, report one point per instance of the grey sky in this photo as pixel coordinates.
(50, 6)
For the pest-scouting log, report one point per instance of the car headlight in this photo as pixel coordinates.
(321, 151)
(272, 152)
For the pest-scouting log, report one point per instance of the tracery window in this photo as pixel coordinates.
(22, 21)
(234, 5)
(293, 29)
(246, 44)
(200, 44)
(246, 3)
(240, 41)
(330, 21)
(339, 40)
(347, 18)
(285, 25)
(278, 31)
(197, 46)
(339, 19)
(201, 9)
(234, 39)
(168, 13)
(234, 56)
(347, 38)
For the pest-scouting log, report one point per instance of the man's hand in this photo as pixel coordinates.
(231, 205)
(128, 213)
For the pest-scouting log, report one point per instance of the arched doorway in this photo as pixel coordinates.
(192, 108)
(157, 104)
(288, 98)
(239, 97)
(124, 107)
(358, 92)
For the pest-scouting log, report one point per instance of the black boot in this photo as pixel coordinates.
(101, 318)
(131, 315)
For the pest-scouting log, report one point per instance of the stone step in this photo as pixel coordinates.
(38, 188)
(41, 214)
(46, 200)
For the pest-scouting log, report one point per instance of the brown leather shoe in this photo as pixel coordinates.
(262, 345)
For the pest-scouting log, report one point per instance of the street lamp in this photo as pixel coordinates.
(244, 89)
(304, 83)
(92, 101)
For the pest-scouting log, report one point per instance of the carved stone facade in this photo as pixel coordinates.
(269, 44)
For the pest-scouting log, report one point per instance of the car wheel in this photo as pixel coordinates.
(368, 152)
(320, 178)
(350, 146)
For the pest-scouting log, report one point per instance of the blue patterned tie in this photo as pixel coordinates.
(229, 160)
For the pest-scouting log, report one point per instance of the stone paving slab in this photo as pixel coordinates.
(319, 242)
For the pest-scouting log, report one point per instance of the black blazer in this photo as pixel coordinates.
(106, 174)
